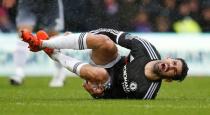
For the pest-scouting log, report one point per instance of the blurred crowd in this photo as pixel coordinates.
(126, 15)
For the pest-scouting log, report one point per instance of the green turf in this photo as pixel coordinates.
(192, 97)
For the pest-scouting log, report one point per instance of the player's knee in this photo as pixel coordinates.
(100, 42)
(107, 44)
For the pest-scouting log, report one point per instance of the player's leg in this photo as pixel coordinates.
(86, 71)
(52, 20)
(20, 56)
(24, 20)
(59, 76)
(104, 50)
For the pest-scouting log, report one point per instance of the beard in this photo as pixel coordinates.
(157, 70)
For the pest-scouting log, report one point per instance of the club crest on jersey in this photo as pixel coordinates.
(133, 86)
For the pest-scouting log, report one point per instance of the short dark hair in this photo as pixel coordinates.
(183, 74)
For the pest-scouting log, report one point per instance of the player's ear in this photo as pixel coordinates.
(168, 80)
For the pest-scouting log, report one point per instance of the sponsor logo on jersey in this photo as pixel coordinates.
(126, 86)
(125, 82)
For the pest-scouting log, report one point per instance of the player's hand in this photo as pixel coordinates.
(95, 90)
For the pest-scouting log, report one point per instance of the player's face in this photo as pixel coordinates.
(168, 68)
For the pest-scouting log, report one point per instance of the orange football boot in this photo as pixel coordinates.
(42, 35)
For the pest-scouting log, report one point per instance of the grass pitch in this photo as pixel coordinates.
(191, 97)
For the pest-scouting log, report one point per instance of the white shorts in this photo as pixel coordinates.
(109, 65)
